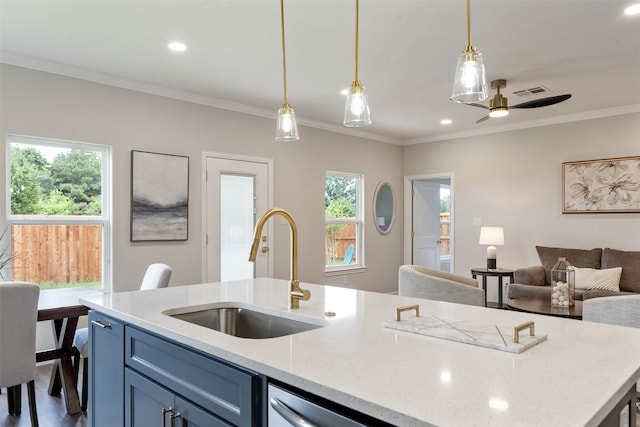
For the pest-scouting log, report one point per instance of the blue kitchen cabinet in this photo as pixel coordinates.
(148, 403)
(106, 360)
(152, 377)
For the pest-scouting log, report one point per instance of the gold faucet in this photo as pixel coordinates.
(296, 292)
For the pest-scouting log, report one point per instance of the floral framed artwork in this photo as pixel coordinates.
(159, 196)
(601, 186)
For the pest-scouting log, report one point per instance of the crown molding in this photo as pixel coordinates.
(587, 115)
(138, 86)
(110, 80)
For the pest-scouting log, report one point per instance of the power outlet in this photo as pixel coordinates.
(477, 222)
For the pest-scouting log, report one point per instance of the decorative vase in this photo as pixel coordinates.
(562, 284)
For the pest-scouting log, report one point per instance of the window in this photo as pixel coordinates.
(58, 212)
(344, 220)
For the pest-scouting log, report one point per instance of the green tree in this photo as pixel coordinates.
(445, 203)
(39, 164)
(25, 191)
(339, 187)
(76, 175)
(28, 174)
(95, 206)
(341, 208)
(57, 204)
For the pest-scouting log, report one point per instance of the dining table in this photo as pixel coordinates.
(63, 308)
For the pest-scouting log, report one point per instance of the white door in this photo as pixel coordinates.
(237, 190)
(426, 224)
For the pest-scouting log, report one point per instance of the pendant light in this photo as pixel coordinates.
(286, 127)
(470, 84)
(356, 109)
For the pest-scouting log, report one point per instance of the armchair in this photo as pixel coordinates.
(421, 282)
(621, 310)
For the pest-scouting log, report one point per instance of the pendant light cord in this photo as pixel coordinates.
(468, 23)
(356, 82)
(284, 56)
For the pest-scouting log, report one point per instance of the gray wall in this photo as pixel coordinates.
(41, 104)
(514, 180)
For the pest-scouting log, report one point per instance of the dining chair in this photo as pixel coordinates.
(156, 276)
(18, 318)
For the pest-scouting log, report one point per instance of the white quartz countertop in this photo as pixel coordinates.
(572, 379)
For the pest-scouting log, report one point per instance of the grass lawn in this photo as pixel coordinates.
(50, 285)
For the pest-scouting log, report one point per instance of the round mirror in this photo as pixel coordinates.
(383, 207)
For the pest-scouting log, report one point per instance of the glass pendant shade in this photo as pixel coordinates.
(470, 84)
(356, 109)
(286, 127)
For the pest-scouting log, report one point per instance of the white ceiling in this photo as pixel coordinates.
(408, 51)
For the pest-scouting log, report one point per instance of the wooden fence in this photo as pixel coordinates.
(445, 233)
(56, 253)
(345, 236)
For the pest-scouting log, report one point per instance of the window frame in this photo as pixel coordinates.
(359, 222)
(106, 185)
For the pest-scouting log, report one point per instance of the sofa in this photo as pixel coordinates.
(535, 281)
(422, 282)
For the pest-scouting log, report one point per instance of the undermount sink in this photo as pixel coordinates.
(240, 321)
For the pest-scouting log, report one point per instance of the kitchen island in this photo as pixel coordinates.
(576, 377)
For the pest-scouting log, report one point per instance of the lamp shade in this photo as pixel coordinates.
(491, 236)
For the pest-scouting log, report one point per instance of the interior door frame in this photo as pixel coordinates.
(408, 214)
(203, 198)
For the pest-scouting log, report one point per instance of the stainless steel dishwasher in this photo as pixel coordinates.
(288, 409)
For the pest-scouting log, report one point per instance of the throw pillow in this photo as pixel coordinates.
(576, 257)
(591, 278)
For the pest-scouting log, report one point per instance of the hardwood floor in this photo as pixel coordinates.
(51, 409)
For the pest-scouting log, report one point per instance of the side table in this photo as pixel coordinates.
(490, 272)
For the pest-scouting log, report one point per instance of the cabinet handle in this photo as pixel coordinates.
(173, 418)
(290, 415)
(165, 411)
(100, 324)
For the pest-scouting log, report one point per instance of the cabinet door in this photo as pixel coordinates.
(146, 403)
(194, 416)
(231, 393)
(106, 364)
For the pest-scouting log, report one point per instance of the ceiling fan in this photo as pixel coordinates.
(499, 107)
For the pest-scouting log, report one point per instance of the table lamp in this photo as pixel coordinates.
(491, 236)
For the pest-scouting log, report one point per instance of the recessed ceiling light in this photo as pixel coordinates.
(177, 46)
(445, 122)
(344, 92)
(634, 9)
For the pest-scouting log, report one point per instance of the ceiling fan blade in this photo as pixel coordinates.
(543, 102)
(483, 119)
(478, 105)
